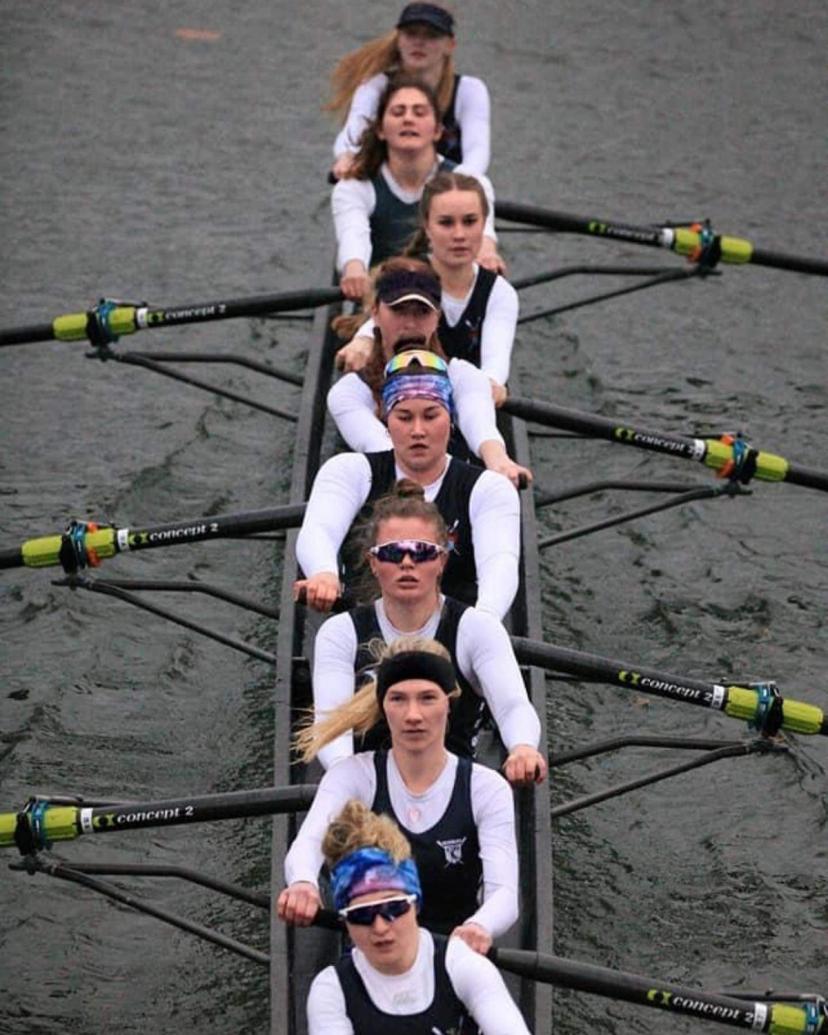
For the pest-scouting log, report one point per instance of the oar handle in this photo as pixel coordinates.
(328, 919)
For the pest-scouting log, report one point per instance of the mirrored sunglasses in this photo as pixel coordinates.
(419, 550)
(429, 361)
(389, 909)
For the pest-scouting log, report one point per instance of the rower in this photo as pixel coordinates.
(406, 314)
(481, 508)
(479, 308)
(457, 815)
(396, 975)
(423, 44)
(375, 207)
(406, 546)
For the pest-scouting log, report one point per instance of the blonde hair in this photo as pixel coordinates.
(357, 826)
(362, 712)
(378, 55)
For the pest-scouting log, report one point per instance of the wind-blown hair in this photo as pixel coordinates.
(357, 826)
(362, 712)
(377, 55)
(442, 183)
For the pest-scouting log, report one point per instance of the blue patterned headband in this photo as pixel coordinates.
(373, 869)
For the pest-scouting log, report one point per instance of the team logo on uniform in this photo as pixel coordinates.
(453, 535)
(453, 850)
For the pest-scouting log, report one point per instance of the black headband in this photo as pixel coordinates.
(415, 664)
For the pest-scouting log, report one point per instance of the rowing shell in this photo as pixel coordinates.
(297, 955)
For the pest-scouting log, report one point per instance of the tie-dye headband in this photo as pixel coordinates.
(372, 869)
(416, 374)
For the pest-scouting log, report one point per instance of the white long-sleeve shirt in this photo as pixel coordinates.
(492, 809)
(497, 332)
(342, 486)
(351, 404)
(484, 657)
(476, 982)
(472, 111)
(353, 202)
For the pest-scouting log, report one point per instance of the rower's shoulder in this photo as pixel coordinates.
(326, 1006)
(473, 87)
(496, 484)
(342, 462)
(373, 86)
(489, 786)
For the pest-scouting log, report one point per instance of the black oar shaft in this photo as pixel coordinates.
(796, 263)
(682, 239)
(752, 704)
(807, 476)
(619, 673)
(633, 988)
(595, 426)
(42, 823)
(25, 335)
(105, 542)
(109, 320)
(255, 305)
(569, 223)
(730, 457)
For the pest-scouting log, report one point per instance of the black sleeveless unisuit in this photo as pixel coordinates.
(447, 854)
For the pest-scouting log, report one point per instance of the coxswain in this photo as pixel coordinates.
(406, 315)
(481, 508)
(479, 308)
(457, 815)
(406, 544)
(375, 206)
(422, 45)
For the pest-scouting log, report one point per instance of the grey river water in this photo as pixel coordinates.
(144, 160)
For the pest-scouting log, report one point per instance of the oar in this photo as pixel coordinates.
(730, 456)
(43, 821)
(762, 706)
(807, 1018)
(108, 320)
(86, 544)
(778, 1018)
(697, 242)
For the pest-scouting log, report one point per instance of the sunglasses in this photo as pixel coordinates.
(388, 908)
(429, 361)
(419, 550)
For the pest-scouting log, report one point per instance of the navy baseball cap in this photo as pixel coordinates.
(427, 14)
